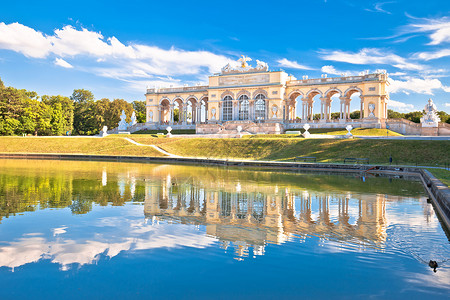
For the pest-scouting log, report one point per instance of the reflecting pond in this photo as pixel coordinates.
(107, 230)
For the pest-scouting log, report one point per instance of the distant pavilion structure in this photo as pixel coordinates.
(266, 101)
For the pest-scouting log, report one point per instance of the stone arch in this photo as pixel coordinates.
(313, 92)
(164, 98)
(191, 109)
(243, 92)
(203, 109)
(164, 111)
(190, 97)
(179, 99)
(292, 105)
(294, 94)
(227, 93)
(260, 91)
(332, 91)
(351, 90)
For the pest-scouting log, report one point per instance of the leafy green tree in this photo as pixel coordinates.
(61, 111)
(445, 117)
(84, 115)
(113, 117)
(355, 114)
(2, 85)
(394, 114)
(82, 96)
(414, 116)
(13, 104)
(139, 109)
(176, 114)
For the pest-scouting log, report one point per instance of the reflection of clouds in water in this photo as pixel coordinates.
(59, 230)
(128, 235)
(441, 278)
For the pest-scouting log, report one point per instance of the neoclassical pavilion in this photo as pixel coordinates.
(255, 94)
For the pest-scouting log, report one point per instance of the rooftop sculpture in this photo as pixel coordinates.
(241, 66)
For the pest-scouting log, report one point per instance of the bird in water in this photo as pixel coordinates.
(433, 264)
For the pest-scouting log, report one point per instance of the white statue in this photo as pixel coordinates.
(430, 118)
(371, 110)
(262, 66)
(274, 112)
(242, 66)
(104, 131)
(133, 119)
(227, 68)
(123, 125)
(150, 116)
(244, 59)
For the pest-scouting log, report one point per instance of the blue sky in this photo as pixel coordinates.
(117, 49)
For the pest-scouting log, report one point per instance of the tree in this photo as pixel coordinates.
(445, 118)
(82, 96)
(61, 111)
(394, 115)
(2, 85)
(139, 109)
(12, 109)
(113, 117)
(84, 120)
(355, 114)
(414, 116)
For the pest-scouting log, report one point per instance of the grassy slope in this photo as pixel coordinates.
(110, 146)
(326, 150)
(442, 175)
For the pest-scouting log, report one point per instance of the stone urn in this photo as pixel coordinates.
(349, 128)
(169, 129)
(306, 134)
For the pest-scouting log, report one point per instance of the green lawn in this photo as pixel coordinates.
(114, 145)
(442, 175)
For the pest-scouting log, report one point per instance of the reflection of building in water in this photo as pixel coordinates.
(256, 217)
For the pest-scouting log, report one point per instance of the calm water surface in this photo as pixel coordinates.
(104, 230)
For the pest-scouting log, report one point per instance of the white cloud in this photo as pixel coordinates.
(25, 40)
(378, 8)
(447, 104)
(438, 29)
(292, 64)
(62, 63)
(332, 70)
(433, 55)
(371, 56)
(397, 74)
(125, 61)
(417, 85)
(400, 106)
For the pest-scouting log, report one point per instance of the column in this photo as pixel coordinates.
(361, 113)
(171, 107)
(303, 110)
(342, 112)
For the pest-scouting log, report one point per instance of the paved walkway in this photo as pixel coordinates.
(153, 146)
